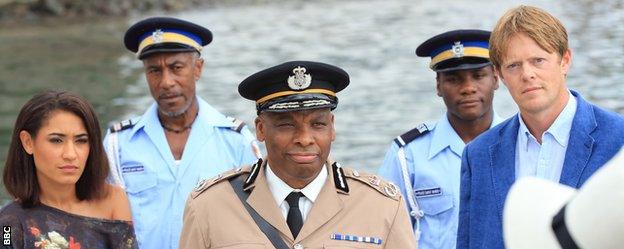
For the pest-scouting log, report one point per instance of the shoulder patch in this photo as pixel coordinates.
(382, 186)
(411, 135)
(207, 183)
(238, 124)
(123, 125)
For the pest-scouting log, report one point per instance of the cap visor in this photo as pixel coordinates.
(149, 51)
(465, 66)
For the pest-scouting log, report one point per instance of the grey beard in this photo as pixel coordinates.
(176, 113)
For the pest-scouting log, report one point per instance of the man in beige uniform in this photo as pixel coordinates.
(296, 197)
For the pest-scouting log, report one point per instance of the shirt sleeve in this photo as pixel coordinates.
(391, 167)
(391, 171)
(111, 146)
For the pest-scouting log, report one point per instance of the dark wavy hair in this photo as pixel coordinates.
(20, 177)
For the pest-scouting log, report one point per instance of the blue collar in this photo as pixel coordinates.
(560, 129)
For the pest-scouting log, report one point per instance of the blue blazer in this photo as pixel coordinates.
(488, 169)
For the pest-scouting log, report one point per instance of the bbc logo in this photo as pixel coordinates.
(6, 235)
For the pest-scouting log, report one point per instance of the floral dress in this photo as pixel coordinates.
(50, 228)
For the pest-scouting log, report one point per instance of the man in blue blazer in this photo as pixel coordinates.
(557, 135)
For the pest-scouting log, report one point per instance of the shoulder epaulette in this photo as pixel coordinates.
(206, 183)
(384, 187)
(411, 135)
(126, 124)
(238, 124)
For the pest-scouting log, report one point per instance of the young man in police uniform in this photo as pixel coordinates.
(425, 162)
(160, 156)
(557, 135)
(296, 197)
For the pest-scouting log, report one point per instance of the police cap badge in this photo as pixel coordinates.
(457, 50)
(294, 86)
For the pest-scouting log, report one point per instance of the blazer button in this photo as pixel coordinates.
(298, 246)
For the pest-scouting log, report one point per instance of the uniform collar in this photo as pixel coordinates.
(445, 136)
(279, 189)
(207, 117)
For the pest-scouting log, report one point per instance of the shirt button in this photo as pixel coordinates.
(298, 246)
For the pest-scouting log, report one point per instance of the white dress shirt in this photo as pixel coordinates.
(280, 190)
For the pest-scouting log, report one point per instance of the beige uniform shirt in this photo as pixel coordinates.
(350, 203)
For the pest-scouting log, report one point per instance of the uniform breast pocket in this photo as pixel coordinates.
(435, 205)
(137, 182)
(142, 194)
(440, 220)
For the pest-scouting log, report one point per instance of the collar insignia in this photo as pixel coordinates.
(339, 178)
(255, 170)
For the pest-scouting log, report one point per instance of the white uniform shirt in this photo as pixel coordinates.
(280, 190)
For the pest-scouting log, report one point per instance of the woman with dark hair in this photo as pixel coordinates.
(56, 171)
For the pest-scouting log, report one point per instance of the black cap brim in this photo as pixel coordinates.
(299, 102)
(462, 64)
(165, 48)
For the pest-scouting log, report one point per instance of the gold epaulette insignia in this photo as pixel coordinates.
(206, 183)
(382, 186)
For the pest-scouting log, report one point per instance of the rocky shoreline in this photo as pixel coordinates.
(34, 10)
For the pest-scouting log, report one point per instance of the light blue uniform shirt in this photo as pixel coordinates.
(546, 160)
(434, 165)
(158, 188)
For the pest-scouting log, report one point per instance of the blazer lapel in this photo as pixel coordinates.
(580, 144)
(263, 202)
(326, 206)
(503, 161)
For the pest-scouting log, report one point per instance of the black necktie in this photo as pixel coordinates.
(294, 219)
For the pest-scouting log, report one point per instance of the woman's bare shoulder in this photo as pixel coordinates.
(118, 201)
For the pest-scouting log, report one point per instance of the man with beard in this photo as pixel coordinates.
(425, 162)
(296, 197)
(180, 140)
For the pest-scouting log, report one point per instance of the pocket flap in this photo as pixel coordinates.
(435, 204)
(137, 182)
